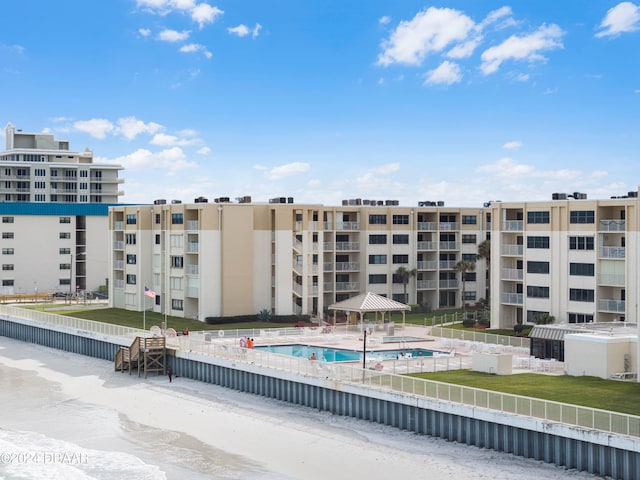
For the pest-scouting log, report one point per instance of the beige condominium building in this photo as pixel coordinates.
(571, 258)
(228, 258)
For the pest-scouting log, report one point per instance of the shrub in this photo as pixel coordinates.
(484, 320)
(264, 315)
(468, 322)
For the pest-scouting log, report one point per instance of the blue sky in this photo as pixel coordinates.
(460, 101)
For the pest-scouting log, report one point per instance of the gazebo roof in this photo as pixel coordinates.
(369, 302)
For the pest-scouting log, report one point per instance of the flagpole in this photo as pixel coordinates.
(144, 313)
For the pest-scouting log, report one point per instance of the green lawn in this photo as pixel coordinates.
(586, 391)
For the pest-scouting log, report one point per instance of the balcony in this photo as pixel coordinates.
(447, 264)
(347, 225)
(616, 306)
(328, 287)
(328, 226)
(327, 267)
(427, 284)
(192, 225)
(192, 270)
(327, 246)
(192, 247)
(118, 264)
(119, 245)
(611, 225)
(614, 279)
(192, 292)
(448, 226)
(347, 286)
(426, 245)
(313, 226)
(297, 289)
(449, 283)
(297, 245)
(513, 225)
(347, 246)
(512, 298)
(427, 226)
(512, 250)
(449, 246)
(347, 266)
(512, 274)
(118, 225)
(427, 265)
(612, 252)
(118, 283)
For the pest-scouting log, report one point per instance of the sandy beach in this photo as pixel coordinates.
(69, 416)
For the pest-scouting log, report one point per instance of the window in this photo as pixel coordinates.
(378, 278)
(377, 219)
(177, 219)
(580, 318)
(7, 266)
(401, 239)
(538, 267)
(65, 219)
(377, 259)
(537, 292)
(157, 239)
(537, 217)
(469, 276)
(581, 269)
(131, 219)
(398, 297)
(7, 283)
(64, 251)
(84, 173)
(581, 295)
(469, 257)
(582, 216)
(131, 279)
(177, 304)
(533, 315)
(400, 220)
(65, 235)
(7, 219)
(468, 238)
(377, 239)
(64, 281)
(131, 259)
(176, 262)
(130, 238)
(40, 185)
(40, 172)
(65, 266)
(537, 242)
(469, 219)
(581, 243)
(7, 251)
(469, 295)
(401, 259)
(7, 234)
(157, 218)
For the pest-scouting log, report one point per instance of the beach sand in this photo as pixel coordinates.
(119, 425)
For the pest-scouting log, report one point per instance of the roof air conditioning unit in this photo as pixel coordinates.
(160, 201)
(201, 200)
(440, 203)
(176, 202)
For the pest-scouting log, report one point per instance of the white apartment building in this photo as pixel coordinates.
(572, 258)
(238, 258)
(54, 206)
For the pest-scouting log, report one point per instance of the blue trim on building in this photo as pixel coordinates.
(58, 209)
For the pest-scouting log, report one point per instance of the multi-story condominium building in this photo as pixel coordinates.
(571, 258)
(54, 206)
(238, 258)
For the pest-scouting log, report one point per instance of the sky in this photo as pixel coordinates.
(325, 100)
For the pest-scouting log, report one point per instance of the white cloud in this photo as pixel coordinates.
(196, 47)
(513, 145)
(465, 49)
(96, 127)
(241, 30)
(203, 151)
(527, 47)
(509, 169)
(550, 91)
(145, 32)
(281, 171)
(164, 140)
(131, 127)
(384, 20)
(377, 179)
(446, 73)
(169, 35)
(494, 16)
(256, 31)
(522, 77)
(430, 31)
(623, 18)
(204, 13)
(170, 160)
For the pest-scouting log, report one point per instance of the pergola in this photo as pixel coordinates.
(367, 303)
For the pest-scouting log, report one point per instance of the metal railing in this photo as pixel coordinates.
(608, 305)
(513, 298)
(512, 250)
(427, 226)
(513, 225)
(482, 337)
(612, 252)
(612, 225)
(511, 274)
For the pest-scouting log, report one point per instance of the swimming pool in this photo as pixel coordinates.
(327, 354)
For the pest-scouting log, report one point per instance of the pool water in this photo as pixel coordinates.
(327, 354)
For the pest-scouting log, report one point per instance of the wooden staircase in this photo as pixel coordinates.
(147, 354)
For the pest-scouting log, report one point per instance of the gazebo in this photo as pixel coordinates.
(369, 302)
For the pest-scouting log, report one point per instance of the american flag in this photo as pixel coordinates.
(149, 293)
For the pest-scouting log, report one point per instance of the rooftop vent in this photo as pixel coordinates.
(201, 199)
(245, 199)
(222, 200)
(558, 196)
(176, 202)
(160, 201)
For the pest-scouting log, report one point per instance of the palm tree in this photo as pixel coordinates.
(464, 266)
(405, 274)
(484, 252)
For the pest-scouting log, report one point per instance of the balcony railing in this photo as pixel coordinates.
(327, 286)
(512, 274)
(192, 225)
(617, 306)
(327, 246)
(297, 289)
(447, 264)
(449, 246)
(347, 286)
(513, 250)
(297, 245)
(118, 264)
(328, 225)
(512, 298)
(192, 269)
(612, 225)
(513, 225)
(427, 265)
(342, 246)
(192, 247)
(426, 245)
(428, 226)
(118, 225)
(344, 266)
(427, 284)
(449, 283)
(313, 226)
(192, 292)
(612, 252)
(118, 283)
(118, 245)
(327, 267)
(616, 279)
(448, 226)
(347, 225)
